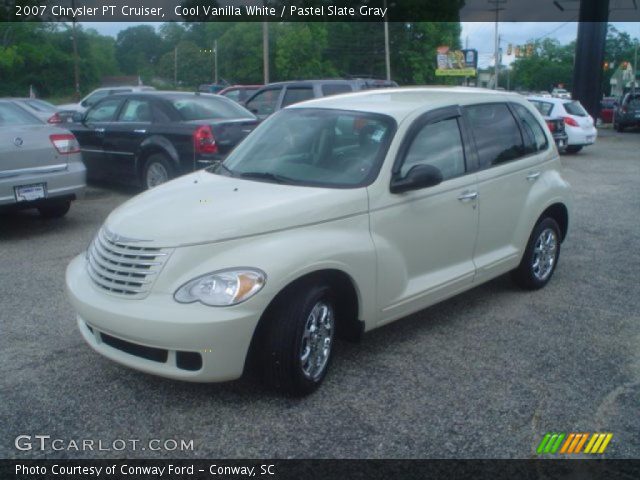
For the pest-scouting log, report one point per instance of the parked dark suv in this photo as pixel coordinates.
(148, 138)
(627, 113)
(271, 98)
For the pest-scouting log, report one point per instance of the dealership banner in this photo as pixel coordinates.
(303, 11)
(317, 469)
(457, 63)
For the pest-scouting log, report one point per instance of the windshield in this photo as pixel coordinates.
(199, 107)
(315, 147)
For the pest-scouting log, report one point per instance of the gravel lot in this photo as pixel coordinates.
(483, 375)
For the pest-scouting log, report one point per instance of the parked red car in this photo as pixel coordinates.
(607, 106)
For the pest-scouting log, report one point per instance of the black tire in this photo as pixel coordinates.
(573, 148)
(54, 209)
(156, 163)
(527, 275)
(618, 127)
(283, 340)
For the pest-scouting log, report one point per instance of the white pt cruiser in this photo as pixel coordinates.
(334, 217)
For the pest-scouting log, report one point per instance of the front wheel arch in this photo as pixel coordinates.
(348, 325)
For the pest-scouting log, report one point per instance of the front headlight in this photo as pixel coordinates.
(222, 288)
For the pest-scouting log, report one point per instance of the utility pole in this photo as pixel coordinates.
(496, 54)
(76, 67)
(635, 68)
(215, 61)
(387, 60)
(265, 51)
(175, 66)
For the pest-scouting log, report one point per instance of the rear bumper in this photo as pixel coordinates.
(581, 137)
(66, 183)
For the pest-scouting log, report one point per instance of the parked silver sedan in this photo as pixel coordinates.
(40, 165)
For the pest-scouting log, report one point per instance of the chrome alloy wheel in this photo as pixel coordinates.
(317, 340)
(544, 254)
(156, 175)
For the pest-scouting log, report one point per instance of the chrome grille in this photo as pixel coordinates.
(123, 266)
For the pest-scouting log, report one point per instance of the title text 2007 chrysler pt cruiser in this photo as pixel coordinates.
(334, 217)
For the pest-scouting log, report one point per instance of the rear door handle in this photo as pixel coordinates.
(467, 196)
(533, 176)
(140, 130)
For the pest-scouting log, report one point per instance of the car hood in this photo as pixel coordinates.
(203, 207)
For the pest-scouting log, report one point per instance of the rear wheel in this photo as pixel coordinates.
(298, 339)
(540, 257)
(573, 148)
(157, 170)
(54, 209)
(618, 127)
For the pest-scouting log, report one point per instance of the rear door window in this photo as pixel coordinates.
(496, 133)
(138, 111)
(297, 95)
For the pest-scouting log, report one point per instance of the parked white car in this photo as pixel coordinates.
(579, 125)
(334, 217)
(98, 94)
(561, 93)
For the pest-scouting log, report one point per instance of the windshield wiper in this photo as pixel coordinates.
(273, 177)
(221, 166)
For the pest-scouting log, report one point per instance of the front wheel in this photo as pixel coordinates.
(298, 340)
(540, 256)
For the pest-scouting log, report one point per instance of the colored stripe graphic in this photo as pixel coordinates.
(550, 443)
(573, 443)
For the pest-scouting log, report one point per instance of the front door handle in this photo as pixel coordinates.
(533, 176)
(140, 130)
(99, 130)
(467, 196)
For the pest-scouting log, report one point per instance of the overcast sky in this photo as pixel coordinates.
(480, 34)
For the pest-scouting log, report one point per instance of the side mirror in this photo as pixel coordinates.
(77, 117)
(418, 177)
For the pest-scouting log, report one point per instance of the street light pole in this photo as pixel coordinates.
(76, 68)
(496, 53)
(265, 51)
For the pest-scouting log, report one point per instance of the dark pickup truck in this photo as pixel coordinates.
(148, 138)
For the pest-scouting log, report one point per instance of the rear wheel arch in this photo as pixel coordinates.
(560, 213)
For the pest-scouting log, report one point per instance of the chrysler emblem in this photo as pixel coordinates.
(17, 142)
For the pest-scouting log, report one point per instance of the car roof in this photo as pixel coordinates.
(401, 102)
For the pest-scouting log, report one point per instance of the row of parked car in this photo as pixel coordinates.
(133, 135)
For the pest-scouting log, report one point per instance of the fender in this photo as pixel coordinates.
(157, 143)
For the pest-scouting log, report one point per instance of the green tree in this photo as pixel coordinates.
(299, 52)
(138, 49)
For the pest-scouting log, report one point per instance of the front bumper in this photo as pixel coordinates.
(219, 335)
(69, 182)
